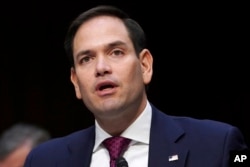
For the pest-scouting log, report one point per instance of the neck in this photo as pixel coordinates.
(116, 125)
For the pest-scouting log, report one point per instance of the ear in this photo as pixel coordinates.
(146, 60)
(74, 80)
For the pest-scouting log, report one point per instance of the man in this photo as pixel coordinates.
(110, 69)
(17, 141)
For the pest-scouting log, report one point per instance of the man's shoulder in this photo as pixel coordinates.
(197, 125)
(201, 122)
(204, 131)
(60, 145)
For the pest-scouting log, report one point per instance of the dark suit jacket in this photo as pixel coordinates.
(197, 143)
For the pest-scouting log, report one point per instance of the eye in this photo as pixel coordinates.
(117, 52)
(85, 59)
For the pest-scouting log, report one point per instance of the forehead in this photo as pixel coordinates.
(101, 29)
(103, 21)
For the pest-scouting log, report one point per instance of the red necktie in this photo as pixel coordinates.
(116, 145)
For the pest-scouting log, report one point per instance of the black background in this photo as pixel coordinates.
(201, 66)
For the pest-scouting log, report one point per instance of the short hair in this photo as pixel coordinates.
(18, 134)
(135, 31)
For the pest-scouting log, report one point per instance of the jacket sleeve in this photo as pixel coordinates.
(234, 141)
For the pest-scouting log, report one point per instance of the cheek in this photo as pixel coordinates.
(84, 86)
(132, 73)
(84, 91)
(84, 82)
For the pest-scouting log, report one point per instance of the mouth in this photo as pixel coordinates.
(106, 85)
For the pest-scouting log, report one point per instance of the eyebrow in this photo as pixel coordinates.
(110, 45)
(116, 43)
(84, 52)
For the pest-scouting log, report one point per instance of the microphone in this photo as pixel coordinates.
(121, 162)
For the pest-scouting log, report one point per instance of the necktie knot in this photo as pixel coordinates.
(116, 145)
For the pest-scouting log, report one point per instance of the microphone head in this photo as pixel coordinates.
(121, 162)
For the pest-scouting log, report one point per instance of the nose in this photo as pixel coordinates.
(102, 66)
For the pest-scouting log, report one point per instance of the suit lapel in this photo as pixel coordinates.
(164, 148)
(81, 148)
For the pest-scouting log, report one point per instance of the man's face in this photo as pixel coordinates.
(16, 158)
(108, 76)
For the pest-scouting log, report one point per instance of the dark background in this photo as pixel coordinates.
(201, 66)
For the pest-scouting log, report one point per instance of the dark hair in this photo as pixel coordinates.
(135, 31)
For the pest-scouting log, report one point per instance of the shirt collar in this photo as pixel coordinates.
(141, 124)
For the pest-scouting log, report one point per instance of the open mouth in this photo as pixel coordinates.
(107, 86)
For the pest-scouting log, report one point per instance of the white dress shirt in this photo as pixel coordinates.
(137, 152)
